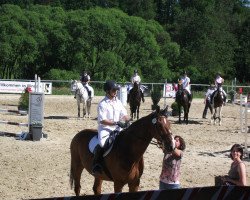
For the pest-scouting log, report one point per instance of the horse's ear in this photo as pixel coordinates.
(165, 111)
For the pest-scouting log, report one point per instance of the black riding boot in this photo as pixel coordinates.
(98, 153)
(89, 93)
(142, 97)
(225, 100)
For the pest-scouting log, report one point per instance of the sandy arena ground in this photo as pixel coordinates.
(41, 169)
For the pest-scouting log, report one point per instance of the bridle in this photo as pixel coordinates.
(161, 130)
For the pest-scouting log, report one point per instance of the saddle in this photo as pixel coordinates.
(89, 92)
(108, 144)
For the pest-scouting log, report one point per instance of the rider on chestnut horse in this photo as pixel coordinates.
(111, 113)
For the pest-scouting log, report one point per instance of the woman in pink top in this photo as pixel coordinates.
(237, 173)
(170, 174)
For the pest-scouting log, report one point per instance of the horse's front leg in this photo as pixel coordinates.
(97, 187)
(212, 115)
(215, 115)
(118, 186)
(185, 115)
(137, 112)
(131, 114)
(220, 109)
(134, 186)
(78, 108)
(179, 108)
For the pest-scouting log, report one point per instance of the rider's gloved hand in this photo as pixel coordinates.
(121, 124)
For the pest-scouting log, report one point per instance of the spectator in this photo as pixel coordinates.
(237, 173)
(170, 174)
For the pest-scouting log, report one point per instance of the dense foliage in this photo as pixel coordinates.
(58, 39)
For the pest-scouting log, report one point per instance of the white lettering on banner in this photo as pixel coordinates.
(19, 87)
(168, 91)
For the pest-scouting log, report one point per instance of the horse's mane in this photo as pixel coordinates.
(133, 130)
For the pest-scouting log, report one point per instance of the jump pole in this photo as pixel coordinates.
(244, 110)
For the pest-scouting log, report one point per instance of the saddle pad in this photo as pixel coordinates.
(92, 144)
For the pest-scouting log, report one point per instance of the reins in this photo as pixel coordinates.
(156, 143)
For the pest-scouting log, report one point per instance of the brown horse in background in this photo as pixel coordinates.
(217, 105)
(182, 101)
(135, 98)
(124, 164)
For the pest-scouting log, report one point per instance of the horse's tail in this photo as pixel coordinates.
(71, 178)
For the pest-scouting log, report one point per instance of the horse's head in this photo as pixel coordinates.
(219, 92)
(163, 133)
(180, 85)
(136, 85)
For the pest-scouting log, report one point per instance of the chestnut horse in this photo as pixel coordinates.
(135, 98)
(124, 164)
(182, 101)
(217, 105)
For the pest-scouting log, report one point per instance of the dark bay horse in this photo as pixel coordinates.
(182, 101)
(217, 105)
(124, 163)
(134, 100)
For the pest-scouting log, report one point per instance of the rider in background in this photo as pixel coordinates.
(218, 82)
(111, 113)
(186, 85)
(85, 79)
(135, 78)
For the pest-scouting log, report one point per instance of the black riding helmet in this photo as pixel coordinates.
(110, 85)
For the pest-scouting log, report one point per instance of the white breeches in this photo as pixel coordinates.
(103, 135)
(188, 89)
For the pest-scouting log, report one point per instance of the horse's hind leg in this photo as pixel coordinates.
(220, 109)
(84, 109)
(97, 187)
(88, 107)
